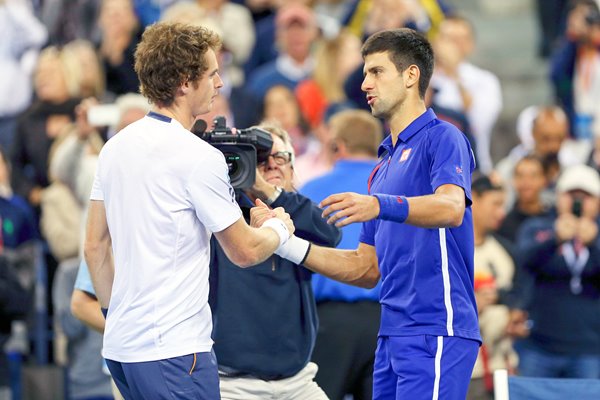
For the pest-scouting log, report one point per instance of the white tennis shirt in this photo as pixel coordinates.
(165, 191)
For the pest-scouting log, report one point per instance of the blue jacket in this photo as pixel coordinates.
(563, 322)
(265, 320)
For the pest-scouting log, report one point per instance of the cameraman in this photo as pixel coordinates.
(265, 319)
(562, 254)
(159, 194)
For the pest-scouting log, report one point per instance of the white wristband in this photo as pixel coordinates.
(279, 227)
(295, 250)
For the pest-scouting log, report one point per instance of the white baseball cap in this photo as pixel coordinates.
(579, 177)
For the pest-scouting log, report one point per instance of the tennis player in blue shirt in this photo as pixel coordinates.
(417, 232)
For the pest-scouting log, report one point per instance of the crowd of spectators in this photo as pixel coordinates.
(68, 85)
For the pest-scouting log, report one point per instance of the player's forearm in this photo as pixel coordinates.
(435, 211)
(346, 266)
(98, 257)
(431, 211)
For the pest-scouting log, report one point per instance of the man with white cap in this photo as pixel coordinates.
(561, 253)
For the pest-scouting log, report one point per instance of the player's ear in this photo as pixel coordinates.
(411, 76)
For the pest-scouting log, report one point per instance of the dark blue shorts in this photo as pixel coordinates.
(193, 376)
(423, 367)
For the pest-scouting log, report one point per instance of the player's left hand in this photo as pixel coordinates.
(346, 208)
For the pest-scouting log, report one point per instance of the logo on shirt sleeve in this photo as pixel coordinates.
(459, 169)
(405, 154)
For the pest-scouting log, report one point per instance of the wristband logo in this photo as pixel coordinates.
(405, 154)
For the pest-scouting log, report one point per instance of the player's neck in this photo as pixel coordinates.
(181, 114)
(404, 116)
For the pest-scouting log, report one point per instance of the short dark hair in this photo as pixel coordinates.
(405, 47)
(169, 55)
(482, 184)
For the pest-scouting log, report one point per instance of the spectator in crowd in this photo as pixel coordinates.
(14, 304)
(529, 182)
(266, 47)
(272, 300)
(562, 255)
(18, 224)
(68, 21)
(551, 16)
(84, 67)
(318, 157)
(237, 27)
(335, 59)
(86, 379)
(574, 69)
(22, 37)
(296, 32)
(550, 129)
(593, 159)
(120, 33)
(391, 14)
(495, 271)
(53, 112)
(461, 85)
(349, 316)
(281, 105)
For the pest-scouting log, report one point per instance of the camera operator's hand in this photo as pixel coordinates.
(261, 188)
(565, 227)
(587, 230)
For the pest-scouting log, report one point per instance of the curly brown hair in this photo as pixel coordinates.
(170, 54)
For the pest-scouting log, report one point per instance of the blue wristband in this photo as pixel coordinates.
(392, 208)
(104, 311)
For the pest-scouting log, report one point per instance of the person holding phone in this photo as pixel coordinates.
(561, 253)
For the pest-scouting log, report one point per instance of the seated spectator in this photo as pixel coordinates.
(335, 59)
(550, 129)
(85, 378)
(281, 106)
(18, 225)
(14, 304)
(57, 95)
(462, 86)
(575, 70)
(562, 255)
(529, 182)
(296, 32)
(120, 33)
(494, 273)
(22, 37)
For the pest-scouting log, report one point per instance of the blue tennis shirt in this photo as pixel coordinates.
(427, 274)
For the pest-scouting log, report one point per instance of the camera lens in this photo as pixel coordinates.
(233, 163)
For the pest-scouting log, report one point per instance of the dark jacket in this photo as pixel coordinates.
(265, 319)
(563, 322)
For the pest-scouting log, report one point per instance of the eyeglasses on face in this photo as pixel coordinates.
(280, 158)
